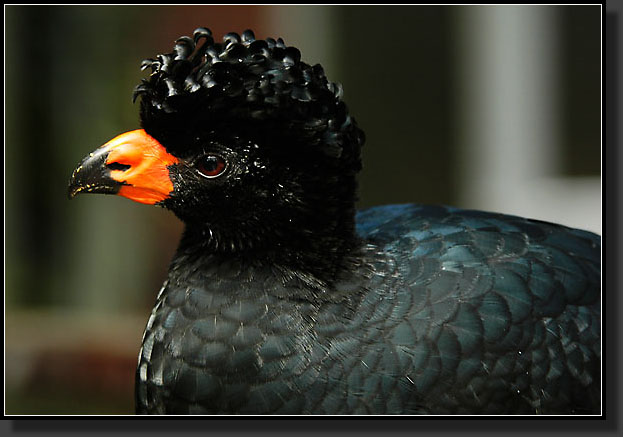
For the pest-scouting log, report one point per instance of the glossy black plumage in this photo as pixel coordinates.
(281, 299)
(448, 312)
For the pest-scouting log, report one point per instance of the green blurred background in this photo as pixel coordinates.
(493, 107)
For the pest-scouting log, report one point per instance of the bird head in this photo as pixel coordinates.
(243, 141)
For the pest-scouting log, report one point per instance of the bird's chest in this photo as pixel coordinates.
(222, 350)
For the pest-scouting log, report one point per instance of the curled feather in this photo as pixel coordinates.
(244, 78)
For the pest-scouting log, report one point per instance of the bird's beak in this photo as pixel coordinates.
(133, 165)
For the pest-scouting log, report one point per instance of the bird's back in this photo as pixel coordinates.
(491, 313)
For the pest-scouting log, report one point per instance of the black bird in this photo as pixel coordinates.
(282, 299)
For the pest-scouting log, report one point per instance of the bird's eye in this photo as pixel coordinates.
(211, 166)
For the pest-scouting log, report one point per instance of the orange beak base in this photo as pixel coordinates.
(132, 165)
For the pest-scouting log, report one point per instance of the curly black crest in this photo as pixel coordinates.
(244, 81)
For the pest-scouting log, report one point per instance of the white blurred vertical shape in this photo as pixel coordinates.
(508, 56)
(510, 117)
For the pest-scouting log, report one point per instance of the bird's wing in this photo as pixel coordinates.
(496, 313)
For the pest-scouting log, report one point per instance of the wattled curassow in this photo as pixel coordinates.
(283, 299)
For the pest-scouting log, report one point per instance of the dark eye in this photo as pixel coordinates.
(211, 166)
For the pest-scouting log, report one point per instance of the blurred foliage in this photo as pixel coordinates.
(69, 67)
(581, 89)
(398, 68)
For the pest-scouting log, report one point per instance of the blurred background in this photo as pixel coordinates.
(487, 107)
